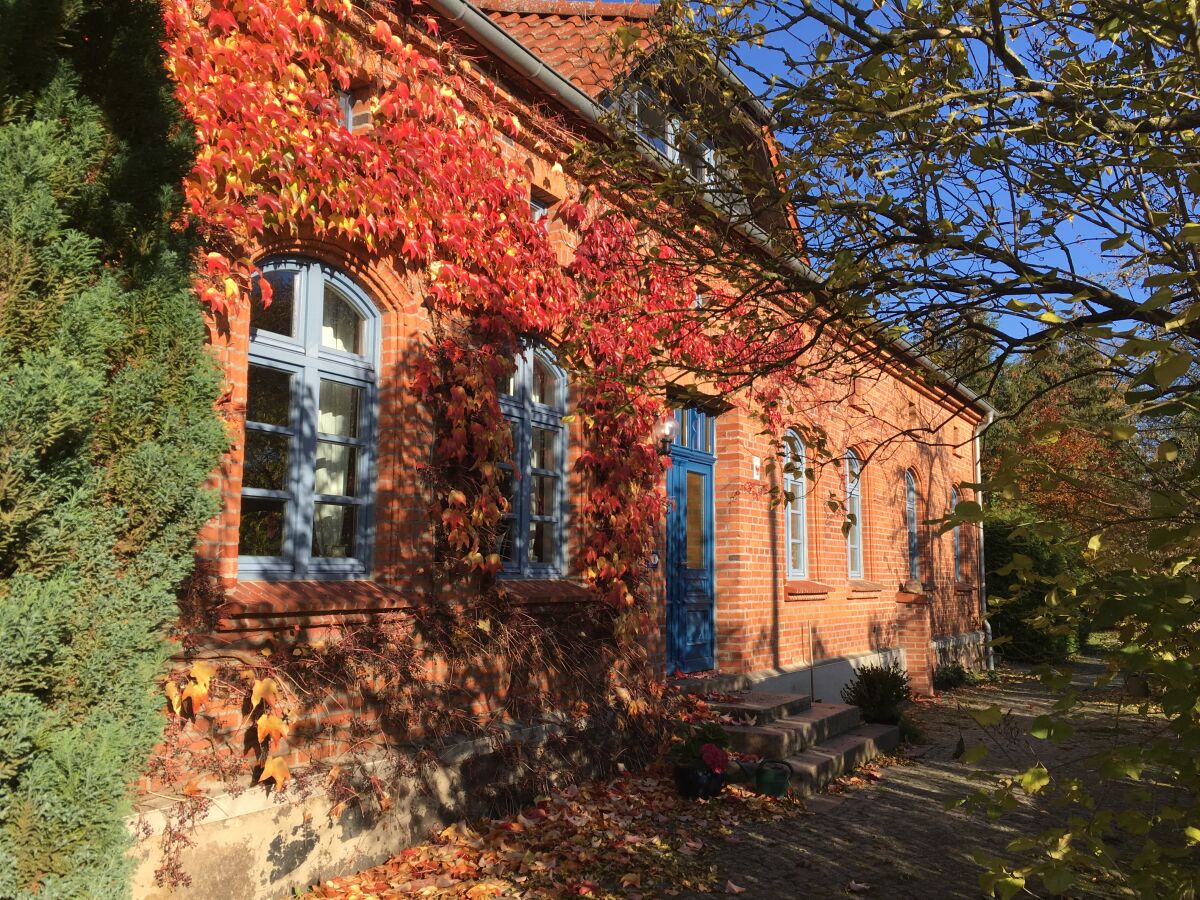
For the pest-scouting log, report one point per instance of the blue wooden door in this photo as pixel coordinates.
(690, 555)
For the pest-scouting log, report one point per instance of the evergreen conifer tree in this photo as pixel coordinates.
(107, 430)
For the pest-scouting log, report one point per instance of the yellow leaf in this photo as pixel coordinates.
(265, 691)
(275, 768)
(198, 694)
(172, 690)
(202, 673)
(271, 727)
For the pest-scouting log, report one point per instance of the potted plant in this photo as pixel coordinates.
(701, 760)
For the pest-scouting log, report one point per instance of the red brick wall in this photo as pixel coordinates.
(766, 622)
(762, 621)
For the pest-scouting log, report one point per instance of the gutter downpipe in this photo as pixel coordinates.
(983, 608)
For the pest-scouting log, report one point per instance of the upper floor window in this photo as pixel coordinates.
(534, 400)
(854, 532)
(794, 485)
(913, 526)
(307, 476)
(354, 109)
(957, 544)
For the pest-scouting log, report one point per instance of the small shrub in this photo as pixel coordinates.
(949, 676)
(880, 692)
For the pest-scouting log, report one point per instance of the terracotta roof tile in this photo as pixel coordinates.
(573, 38)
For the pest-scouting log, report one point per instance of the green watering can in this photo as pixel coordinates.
(772, 778)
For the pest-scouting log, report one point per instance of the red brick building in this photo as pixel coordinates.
(326, 525)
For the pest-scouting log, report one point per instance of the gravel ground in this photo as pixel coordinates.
(887, 833)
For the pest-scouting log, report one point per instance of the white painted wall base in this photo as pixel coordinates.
(263, 846)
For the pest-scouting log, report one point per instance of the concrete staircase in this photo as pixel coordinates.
(818, 741)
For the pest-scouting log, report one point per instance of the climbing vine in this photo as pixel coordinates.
(429, 189)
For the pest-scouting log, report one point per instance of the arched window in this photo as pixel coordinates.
(910, 518)
(794, 487)
(308, 471)
(957, 545)
(854, 533)
(534, 401)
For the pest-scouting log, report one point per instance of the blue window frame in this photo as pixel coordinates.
(534, 401)
(957, 546)
(854, 532)
(695, 431)
(913, 526)
(796, 518)
(308, 469)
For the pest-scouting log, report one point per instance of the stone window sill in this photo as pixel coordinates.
(539, 592)
(806, 590)
(964, 587)
(862, 586)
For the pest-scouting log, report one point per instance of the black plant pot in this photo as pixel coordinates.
(697, 784)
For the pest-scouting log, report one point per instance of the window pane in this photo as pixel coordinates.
(333, 530)
(507, 485)
(280, 316)
(697, 520)
(261, 531)
(508, 385)
(341, 325)
(339, 408)
(544, 454)
(337, 469)
(544, 383)
(652, 122)
(504, 540)
(268, 396)
(543, 495)
(542, 547)
(266, 460)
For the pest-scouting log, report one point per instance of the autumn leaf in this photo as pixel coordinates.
(277, 769)
(202, 672)
(731, 888)
(197, 694)
(265, 691)
(173, 695)
(271, 727)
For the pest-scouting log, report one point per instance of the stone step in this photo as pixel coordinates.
(796, 732)
(815, 767)
(761, 708)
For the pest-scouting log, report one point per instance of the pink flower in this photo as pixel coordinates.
(714, 757)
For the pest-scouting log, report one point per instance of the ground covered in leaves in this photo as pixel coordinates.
(632, 837)
(884, 831)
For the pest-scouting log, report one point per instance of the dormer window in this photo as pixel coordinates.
(700, 159)
(655, 125)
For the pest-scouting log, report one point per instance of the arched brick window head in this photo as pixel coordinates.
(308, 469)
